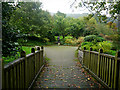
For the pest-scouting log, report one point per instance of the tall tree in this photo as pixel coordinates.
(9, 36)
(30, 20)
(60, 24)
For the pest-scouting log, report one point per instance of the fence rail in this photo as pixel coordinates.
(22, 72)
(105, 68)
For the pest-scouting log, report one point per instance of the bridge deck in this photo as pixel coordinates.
(63, 71)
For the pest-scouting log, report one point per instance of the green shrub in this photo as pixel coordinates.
(46, 39)
(87, 45)
(80, 40)
(105, 45)
(111, 52)
(93, 38)
(68, 37)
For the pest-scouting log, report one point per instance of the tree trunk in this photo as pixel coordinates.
(63, 37)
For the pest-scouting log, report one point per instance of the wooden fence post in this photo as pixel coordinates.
(84, 55)
(38, 49)
(42, 55)
(34, 60)
(116, 74)
(24, 66)
(98, 66)
(2, 77)
(89, 63)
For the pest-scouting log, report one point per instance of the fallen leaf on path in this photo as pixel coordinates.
(46, 79)
(53, 81)
(78, 86)
(74, 75)
(88, 79)
(65, 81)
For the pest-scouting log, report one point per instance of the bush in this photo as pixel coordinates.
(105, 45)
(69, 41)
(46, 39)
(80, 40)
(87, 45)
(69, 37)
(93, 38)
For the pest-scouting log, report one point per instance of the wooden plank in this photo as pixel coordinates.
(20, 75)
(6, 81)
(23, 74)
(105, 66)
(112, 77)
(110, 70)
(30, 69)
(3, 76)
(11, 72)
(41, 59)
(116, 75)
(26, 73)
(107, 70)
(14, 68)
(102, 68)
(91, 62)
(9, 78)
(96, 63)
(101, 65)
(38, 49)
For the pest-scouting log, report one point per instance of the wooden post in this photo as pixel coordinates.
(38, 49)
(89, 63)
(42, 55)
(34, 60)
(98, 66)
(42, 47)
(23, 54)
(116, 70)
(2, 76)
(24, 71)
(84, 55)
(33, 50)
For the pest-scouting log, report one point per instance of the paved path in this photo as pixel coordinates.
(63, 71)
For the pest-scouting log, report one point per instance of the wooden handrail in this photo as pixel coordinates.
(105, 67)
(22, 72)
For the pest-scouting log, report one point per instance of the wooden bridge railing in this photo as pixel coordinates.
(22, 72)
(105, 68)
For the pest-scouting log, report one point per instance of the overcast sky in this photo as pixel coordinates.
(62, 6)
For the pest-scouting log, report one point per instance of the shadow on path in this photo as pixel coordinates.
(63, 71)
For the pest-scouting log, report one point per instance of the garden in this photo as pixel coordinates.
(26, 25)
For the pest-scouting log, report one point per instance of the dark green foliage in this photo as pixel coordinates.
(9, 35)
(93, 38)
(116, 41)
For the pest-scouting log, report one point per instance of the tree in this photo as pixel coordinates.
(60, 24)
(9, 36)
(31, 21)
(75, 27)
(96, 8)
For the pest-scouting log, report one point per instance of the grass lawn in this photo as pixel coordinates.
(27, 49)
(12, 58)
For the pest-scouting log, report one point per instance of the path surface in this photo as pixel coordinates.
(63, 71)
